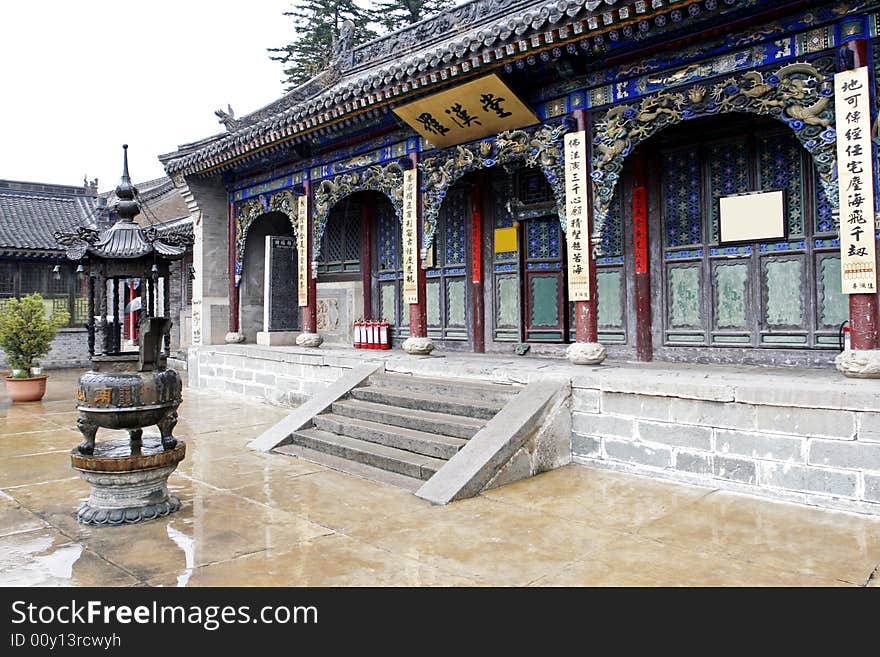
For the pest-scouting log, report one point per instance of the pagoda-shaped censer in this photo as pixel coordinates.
(127, 389)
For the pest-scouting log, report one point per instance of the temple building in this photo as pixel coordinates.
(617, 181)
(683, 104)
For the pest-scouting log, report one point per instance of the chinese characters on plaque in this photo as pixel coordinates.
(577, 237)
(302, 249)
(410, 238)
(855, 179)
(473, 110)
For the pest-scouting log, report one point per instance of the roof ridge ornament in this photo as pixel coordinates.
(228, 118)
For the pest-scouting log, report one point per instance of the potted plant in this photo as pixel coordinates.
(26, 334)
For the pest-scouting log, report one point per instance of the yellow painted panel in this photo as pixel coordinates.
(505, 240)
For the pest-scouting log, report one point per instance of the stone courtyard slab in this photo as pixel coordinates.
(255, 519)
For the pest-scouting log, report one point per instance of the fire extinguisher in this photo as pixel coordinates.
(844, 336)
(358, 334)
(373, 332)
(384, 342)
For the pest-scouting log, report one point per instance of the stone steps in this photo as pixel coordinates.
(398, 429)
(410, 440)
(427, 401)
(446, 387)
(383, 457)
(352, 467)
(441, 423)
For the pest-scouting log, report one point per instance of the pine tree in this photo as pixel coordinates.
(396, 14)
(317, 23)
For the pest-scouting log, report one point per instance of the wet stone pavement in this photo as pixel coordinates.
(253, 519)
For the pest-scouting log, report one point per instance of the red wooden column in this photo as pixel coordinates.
(477, 305)
(309, 336)
(644, 343)
(862, 307)
(234, 334)
(418, 314)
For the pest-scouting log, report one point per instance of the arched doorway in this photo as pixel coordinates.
(253, 281)
(741, 302)
(360, 267)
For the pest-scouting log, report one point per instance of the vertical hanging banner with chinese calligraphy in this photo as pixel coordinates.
(855, 179)
(577, 236)
(302, 248)
(473, 110)
(410, 237)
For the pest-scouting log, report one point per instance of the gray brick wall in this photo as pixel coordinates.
(69, 349)
(804, 447)
(800, 452)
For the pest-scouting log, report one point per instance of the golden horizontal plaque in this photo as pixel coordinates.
(473, 110)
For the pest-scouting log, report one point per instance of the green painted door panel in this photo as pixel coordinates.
(731, 293)
(432, 308)
(455, 297)
(545, 301)
(834, 304)
(684, 296)
(608, 284)
(784, 289)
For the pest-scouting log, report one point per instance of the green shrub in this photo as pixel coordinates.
(26, 332)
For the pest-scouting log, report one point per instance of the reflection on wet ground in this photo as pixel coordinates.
(265, 520)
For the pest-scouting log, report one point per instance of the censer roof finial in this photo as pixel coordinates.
(127, 207)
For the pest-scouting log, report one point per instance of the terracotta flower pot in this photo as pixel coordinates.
(26, 390)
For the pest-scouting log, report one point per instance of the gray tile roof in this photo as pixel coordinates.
(31, 212)
(476, 34)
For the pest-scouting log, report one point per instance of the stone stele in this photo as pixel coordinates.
(586, 353)
(129, 482)
(859, 363)
(418, 346)
(309, 340)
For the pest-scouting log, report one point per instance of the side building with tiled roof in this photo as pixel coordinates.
(32, 261)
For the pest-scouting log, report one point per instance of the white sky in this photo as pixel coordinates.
(81, 77)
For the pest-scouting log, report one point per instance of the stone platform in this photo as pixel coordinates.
(310, 525)
(128, 484)
(809, 436)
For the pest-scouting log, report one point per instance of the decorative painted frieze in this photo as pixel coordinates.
(541, 148)
(386, 179)
(799, 94)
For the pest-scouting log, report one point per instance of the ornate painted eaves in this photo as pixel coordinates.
(386, 179)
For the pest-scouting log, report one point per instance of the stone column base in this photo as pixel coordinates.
(859, 363)
(309, 340)
(234, 337)
(586, 353)
(128, 485)
(418, 346)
